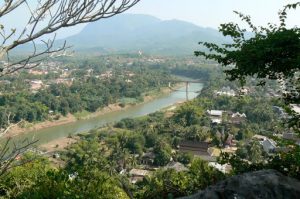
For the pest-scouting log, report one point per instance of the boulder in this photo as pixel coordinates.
(264, 184)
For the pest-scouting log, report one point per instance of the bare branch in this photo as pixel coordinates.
(10, 151)
(47, 17)
(9, 6)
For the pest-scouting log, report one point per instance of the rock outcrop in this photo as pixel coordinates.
(264, 184)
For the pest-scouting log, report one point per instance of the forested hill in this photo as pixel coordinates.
(133, 33)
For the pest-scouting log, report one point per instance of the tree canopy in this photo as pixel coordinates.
(271, 52)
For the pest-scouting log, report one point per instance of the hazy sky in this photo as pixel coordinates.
(207, 13)
(211, 13)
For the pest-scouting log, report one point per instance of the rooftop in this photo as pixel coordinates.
(139, 172)
(177, 166)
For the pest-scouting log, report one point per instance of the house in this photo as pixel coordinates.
(106, 75)
(226, 91)
(259, 138)
(215, 116)
(269, 145)
(37, 72)
(280, 111)
(214, 152)
(5, 82)
(148, 158)
(138, 175)
(177, 166)
(237, 118)
(296, 108)
(197, 149)
(230, 150)
(66, 81)
(244, 91)
(36, 85)
(225, 168)
(292, 137)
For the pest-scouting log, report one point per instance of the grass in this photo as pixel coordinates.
(82, 114)
(127, 100)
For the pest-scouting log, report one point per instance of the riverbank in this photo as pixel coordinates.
(63, 143)
(19, 130)
(58, 144)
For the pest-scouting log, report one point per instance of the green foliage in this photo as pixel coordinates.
(21, 179)
(162, 152)
(185, 157)
(255, 152)
(196, 133)
(272, 52)
(135, 143)
(172, 184)
(87, 93)
(286, 163)
(188, 114)
(85, 154)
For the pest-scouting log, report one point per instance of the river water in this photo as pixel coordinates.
(56, 132)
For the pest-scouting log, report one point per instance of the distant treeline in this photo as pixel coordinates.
(87, 94)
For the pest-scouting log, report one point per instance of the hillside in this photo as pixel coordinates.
(131, 33)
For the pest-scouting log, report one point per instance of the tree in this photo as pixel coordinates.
(196, 133)
(273, 52)
(255, 152)
(162, 154)
(46, 17)
(188, 114)
(185, 157)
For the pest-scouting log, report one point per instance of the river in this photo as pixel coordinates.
(52, 133)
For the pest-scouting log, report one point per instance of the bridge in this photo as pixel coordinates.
(187, 86)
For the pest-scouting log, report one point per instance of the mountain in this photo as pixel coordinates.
(128, 33)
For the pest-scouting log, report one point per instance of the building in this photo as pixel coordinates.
(225, 168)
(280, 111)
(237, 118)
(214, 152)
(244, 91)
(269, 145)
(138, 175)
(230, 150)
(296, 108)
(226, 91)
(37, 72)
(215, 116)
(292, 137)
(36, 85)
(177, 166)
(197, 149)
(259, 138)
(66, 81)
(148, 158)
